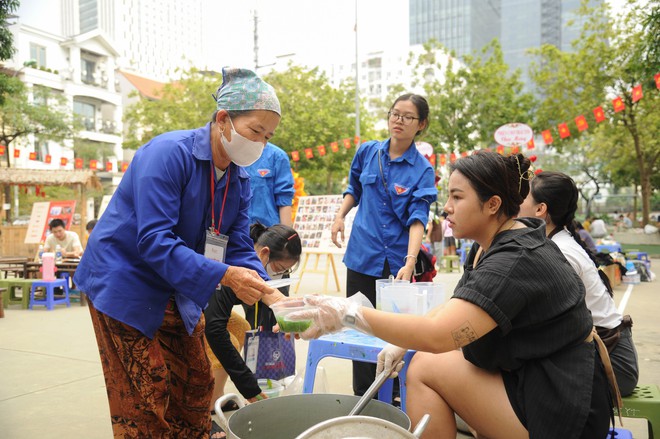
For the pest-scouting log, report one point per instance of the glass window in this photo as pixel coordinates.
(41, 148)
(86, 113)
(87, 70)
(38, 54)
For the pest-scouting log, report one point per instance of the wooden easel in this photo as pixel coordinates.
(329, 263)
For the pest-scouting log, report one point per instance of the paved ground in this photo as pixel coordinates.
(51, 384)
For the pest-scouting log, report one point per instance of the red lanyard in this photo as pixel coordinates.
(224, 199)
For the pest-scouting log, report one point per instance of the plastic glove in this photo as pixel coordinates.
(329, 314)
(390, 358)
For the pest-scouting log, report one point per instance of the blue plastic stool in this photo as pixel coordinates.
(50, 301)
(353, 345)
(620, 433)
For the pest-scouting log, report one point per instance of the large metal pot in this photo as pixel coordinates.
(362, 427)
(289, 416)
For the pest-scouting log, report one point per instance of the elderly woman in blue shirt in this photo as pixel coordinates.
(175, 229)
(393, 185)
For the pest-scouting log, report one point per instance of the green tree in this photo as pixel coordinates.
(46, 116)
(181, 105)
(608, 60)
(7, 7)
(315, 113)
(470, 100)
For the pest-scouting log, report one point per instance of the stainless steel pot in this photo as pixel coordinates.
(289, 416)
(362, 427)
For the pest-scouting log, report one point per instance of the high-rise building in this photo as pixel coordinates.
(467, 26)
(461, 26)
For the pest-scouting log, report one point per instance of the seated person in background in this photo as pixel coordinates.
(68, 240)
(278, 247)
(90, 226)
(586, 237)
(598, 228)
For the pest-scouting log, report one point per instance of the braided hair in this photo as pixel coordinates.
(560, 194)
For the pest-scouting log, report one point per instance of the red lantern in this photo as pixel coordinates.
(93, 164)
(532, 158)
(124, 166)
(334, 146)
(33, 156)
(108, 166)
(295, 155)
(78, 163)
(48, 158)
(63, 161)
(309, 153)
(538, 171)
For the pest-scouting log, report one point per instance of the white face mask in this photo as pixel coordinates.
(240, 150)
(272, 274)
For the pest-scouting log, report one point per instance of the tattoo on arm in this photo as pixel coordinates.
(464, 335)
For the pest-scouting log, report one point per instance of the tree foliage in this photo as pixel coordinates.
(315, 113)
(470, 100)
(608, 60)
(45, 117)
(181, 105)
(7, 8)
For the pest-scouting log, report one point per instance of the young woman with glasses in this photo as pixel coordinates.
(278, 247)
(393, 185)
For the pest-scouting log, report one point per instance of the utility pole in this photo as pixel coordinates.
(357, 76)
(256, 41)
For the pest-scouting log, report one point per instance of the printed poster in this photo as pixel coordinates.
(43, 213)
(314, 218)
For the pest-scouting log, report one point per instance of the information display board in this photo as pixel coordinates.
(314, 218)
(43, 213)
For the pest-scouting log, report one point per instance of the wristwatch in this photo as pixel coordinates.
(350, 319)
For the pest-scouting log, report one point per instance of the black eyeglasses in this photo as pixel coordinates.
(287, 271)
(406, 119)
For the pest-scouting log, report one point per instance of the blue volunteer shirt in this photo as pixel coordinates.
(381, 225)
(149, 243)
(272, 185)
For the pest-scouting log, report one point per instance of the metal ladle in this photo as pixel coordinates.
(371, 391)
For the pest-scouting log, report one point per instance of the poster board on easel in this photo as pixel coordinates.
(43, 213)
(314, 217)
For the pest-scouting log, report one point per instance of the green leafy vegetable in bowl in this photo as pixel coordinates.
(291, 326)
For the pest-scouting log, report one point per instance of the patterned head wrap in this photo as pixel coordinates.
(242, 89)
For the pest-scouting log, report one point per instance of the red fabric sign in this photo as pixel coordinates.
(618, 104)
(657, 80)
(334, 146)
(321, 149)
(581, 123)
(33, 156)
(108, 166)
(564, 132)
(63, 161)
(637, 93)
(124, 166)
(530, 144)
(93, 164)
(547, 137)
(295, 155)
(78, 163)
(599, 114)
(309, 153)
(347, 143)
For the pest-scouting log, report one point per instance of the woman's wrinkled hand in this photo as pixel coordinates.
(248, 286)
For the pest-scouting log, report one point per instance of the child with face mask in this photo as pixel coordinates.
(278, 248)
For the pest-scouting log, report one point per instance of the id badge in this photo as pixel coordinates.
(216, 246)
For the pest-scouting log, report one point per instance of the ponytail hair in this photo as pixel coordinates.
(283, 241)
(560, 194)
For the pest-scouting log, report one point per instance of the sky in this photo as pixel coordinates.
(318, 31)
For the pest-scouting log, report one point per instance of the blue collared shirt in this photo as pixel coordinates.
(381, 225)
(149, 243)
(272, 185)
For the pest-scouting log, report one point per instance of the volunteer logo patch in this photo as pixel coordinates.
(400, 189)
(263, 172)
